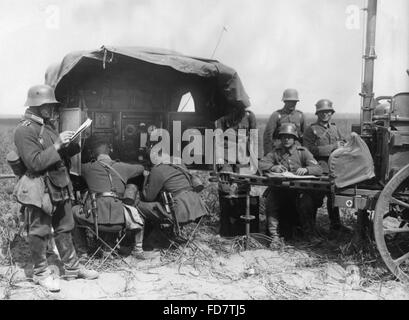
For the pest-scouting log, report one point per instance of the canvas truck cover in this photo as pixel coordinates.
(352, 163)
(180, 71)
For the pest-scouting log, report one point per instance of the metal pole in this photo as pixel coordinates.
(247, 218)
(367, 93)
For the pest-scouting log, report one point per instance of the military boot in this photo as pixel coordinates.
(42, 274)
(70, 260)
(137, 251)
(336, 226)
(272, 228)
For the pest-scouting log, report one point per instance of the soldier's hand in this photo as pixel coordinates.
(278, 169)
(146, 173)
(301, 171)
(63, 139)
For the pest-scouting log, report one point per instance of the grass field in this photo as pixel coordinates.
(9, 219)
(331, 250)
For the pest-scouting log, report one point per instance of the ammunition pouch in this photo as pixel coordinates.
(57, 193)
(31, 191)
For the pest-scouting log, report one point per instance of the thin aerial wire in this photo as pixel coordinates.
(211, 57)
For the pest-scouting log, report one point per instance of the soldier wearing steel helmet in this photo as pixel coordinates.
(322, 138)
(288, 114)
(46, 153)
(285, 207)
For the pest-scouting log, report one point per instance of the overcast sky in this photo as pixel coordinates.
(312, 45)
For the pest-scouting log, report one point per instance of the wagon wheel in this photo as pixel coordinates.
(391, 226)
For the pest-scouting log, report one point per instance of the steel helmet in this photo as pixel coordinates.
(290, 95)
(39, 95)
(324, 105)
(288, 128)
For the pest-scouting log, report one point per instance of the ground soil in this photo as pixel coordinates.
(212, 267)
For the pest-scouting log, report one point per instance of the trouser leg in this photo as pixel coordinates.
(39, 234)
(138, 240)
(63, 223)
(38, 249)
(306, 208)
(333, 214)
(272, 212)
(288, 215)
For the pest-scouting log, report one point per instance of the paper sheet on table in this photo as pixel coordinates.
(288, 175)
(81, 129)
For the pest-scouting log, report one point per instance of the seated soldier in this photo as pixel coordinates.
(175, 180)
(285, 206)
(107, 179)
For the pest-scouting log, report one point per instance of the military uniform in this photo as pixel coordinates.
(34, 139)
(188, 206)
(321, 140)
(284, 208)
(270, 136)
(247, 122)
(102, 181)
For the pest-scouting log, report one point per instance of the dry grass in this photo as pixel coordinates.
(205, 245)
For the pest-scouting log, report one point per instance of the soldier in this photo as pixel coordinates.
(288, 114)
(285, 207)
(107, 179)
(174, 179)
(239, 119)
(322, 138)
(46, 154)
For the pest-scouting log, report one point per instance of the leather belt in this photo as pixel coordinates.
(108, 194)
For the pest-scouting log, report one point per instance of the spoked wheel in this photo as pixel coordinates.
(391, 224)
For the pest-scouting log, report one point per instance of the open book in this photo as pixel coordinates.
(289, 175)
(81, 129)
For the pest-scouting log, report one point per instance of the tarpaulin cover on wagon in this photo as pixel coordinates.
(156, 76)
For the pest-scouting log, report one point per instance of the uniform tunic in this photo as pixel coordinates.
(40, 156)
(294, 158)
(188, 205)
(273, 125)
(247, 122)
(110, 209)
(289, 207)
(321, 140)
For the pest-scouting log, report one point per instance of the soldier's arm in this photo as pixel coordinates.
(31, 152)
(302, 124)
(311, 164)
(71, 150)
(310, 141)
(269, 132)
(341, 137)
(133, 170)
(267, 162)
(154, 185)
(325, 151)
